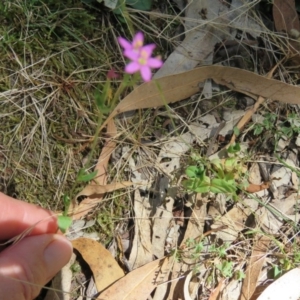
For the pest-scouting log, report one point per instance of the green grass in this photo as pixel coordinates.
(54, 55)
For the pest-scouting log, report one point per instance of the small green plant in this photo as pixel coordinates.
(64, 222)
(75, 267)
(267, 124)
(220, 251)
(223, 177)
(294, 121)
(225, 268)
(287, 128)
(239, 275)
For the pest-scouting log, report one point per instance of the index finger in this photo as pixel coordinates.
(17, 216)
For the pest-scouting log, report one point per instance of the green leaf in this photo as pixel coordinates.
(64, 223)
(110, 3)
(222, 186)
(225, 268)
(140, 4)
(202, 189)
(191, 171)
(236, 131)
(188, 184)
(277, 271)
(240, 275)
(195, 172)
(83, 177)
(230, 164)
(258, 129)
(202, 185)
(101, 99)
(67, 202)
(287, 131)
(234, 148)
(217, 163)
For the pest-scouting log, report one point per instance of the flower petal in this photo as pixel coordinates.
(124, 43)
(132, 67)
(148, 49)
(146, 73)
(138, 40)
(154, 63)
(132, 54)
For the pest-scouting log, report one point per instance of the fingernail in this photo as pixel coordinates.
(57, 254)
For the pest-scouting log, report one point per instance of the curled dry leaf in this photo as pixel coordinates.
(138, 284)
(97, 191)
(104, 267)
(94, 195)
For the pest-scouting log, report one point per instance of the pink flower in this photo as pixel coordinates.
(140, 56)
(131, 50)
(112, 74)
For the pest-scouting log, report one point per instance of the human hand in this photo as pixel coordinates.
(26, 266)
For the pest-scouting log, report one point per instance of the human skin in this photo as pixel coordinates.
(27, 265)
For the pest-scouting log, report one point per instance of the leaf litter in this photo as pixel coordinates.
(202, 245)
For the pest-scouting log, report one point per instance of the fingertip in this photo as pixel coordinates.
(28, 265)
(57, 254)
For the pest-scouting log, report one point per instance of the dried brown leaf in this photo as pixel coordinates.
(109, 147)
(256, 262)
(176, 87)
(94, 195)
(104, 267)
(285, 15)
(96, 192)
(254, 188)
(136, 285)
(93, 189)
(216, 292)
(286, 20)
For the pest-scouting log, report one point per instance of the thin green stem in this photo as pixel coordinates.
(95, 140)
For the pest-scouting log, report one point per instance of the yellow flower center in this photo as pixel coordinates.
(143, 58)
(137, 45)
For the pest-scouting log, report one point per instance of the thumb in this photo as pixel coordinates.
(28, 265)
